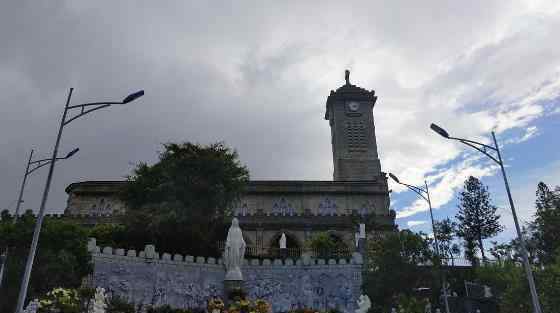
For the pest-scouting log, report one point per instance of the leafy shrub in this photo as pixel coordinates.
(60, 300)
(167, 309)
(119, 305)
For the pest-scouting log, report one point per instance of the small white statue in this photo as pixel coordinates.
(477, 310)
(282, 241)
(393, 310)
(428, 307)
(363, 304)
(362, 234)
(234, 252)
(32, 306)
(487, 292)
(150, 251)
(99, 304)
(438, 310)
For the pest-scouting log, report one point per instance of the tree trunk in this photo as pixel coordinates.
(481, 249)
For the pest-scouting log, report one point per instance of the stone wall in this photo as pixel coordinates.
(146, 277)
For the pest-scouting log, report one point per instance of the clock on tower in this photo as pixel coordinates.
(350, 115)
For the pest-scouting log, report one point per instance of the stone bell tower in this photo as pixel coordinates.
(350, 115)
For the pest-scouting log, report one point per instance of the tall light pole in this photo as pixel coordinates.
(424, 193)
(83, 110)
(486, 150)
(36, 165)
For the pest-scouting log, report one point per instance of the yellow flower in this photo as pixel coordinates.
(244, 303)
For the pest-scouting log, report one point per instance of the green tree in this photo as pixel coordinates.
(62, 258)
(445, 230)
(477, 217)
(326, 245)
(112, 235)
(509, 285)
(501, 251)
(546, 228)
(392, 267)
(183, 198)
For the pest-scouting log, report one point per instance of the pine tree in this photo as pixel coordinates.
(477, 217)
(546, 228)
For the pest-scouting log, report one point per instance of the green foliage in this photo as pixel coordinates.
(477, 217)
(62, 259)
(112, 235)
(445, 230)
(546, 228)
(167, 309)
(549, 286)
(118, 305)
(60, 300)
(321, 242)
(502, 251)
(325, 245)
(184, 197)
(410, 304)
(237, 294)
(509, 284)
(391, 267)
(507, 276)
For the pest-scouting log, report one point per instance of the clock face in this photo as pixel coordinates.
(353, 106)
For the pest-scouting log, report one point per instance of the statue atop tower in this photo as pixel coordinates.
(350, 115)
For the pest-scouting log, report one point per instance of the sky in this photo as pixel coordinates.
(256, 75)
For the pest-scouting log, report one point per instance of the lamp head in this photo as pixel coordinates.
(71, 153)
(439, 130)
(133, 96)
(394, 178)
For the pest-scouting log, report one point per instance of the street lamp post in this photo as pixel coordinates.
(486, 150)
(83, 110)
(424, 193)
(36, 165)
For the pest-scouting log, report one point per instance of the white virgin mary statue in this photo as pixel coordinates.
(234, 252)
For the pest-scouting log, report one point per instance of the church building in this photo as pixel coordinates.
(357, 194)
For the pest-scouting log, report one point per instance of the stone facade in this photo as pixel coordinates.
(268, 208)
(149, 278)
(297, 208)
(94, 198)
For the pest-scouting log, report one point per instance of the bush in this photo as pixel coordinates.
(167, 309)
(119, 305)
(60, 300)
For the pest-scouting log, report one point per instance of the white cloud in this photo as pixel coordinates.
(530, 132)
(415, 223)
(447, 182)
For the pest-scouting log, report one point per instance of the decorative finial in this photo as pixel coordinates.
(347, 77)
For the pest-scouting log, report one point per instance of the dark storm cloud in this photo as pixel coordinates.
(254, 75)
(107, 52)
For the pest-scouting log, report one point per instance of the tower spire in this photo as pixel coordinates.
(347, 77)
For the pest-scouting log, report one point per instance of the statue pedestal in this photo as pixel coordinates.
(361, 246)
(283, 253)
(229, 286)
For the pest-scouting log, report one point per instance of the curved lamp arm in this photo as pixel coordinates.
(418, 190)
(99, 105)
(483, 148)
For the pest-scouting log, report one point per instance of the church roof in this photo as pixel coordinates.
(379, 185)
